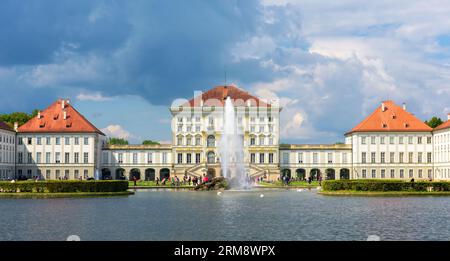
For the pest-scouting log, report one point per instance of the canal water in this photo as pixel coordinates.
(232, 215)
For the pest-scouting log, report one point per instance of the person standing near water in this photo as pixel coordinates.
(157, 181)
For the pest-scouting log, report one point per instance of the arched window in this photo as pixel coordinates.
(211, 141)
(211, 157)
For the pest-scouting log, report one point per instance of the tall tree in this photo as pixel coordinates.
(117, 141)
(150, 142)
(19, 117)
(434, 122)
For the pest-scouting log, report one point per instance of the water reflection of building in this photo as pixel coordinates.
(390, 143)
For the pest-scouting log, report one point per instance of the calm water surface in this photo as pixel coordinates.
(189, 215)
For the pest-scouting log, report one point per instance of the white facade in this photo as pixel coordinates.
(441, 148)
(7, 154)
(58, 155)
(395, 155)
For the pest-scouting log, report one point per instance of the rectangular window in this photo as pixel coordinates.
(383, 159)
(410, 140)
(66, 157)
(315, 158)
(66, 174)
(47, 157)
(429, 155)
(197, 158)
(383, 173)
(20, 158)
(420, 174)
(392, 157)
(392, 173)
(428, 140)
(400, 140)
(402, 173)
(381, 140)
(180, 158)
(39, 141)
(29, 158)
(261, 158)
(105, 157)
(58, 141)
(135, 158)
(189, 158)
(363, 157)
(270, 158)
(374, 173)
(411, 173)
(401, 157)
(86, 174)
(391, 140)
(76, 174)
(252, 158)
(76, 157)
(48, 174)
(57, 157)
(364, 173)
(372, 157)
(164, 157)
(29, 141)
(86, 141)
(300, 157)
(20, 141)
(120, 158)
(76, 141)
(410, 157)
(48, 141)
(38, 157)
(150, 158)
(57, 174)
(67, 140)
(363, 140)
(86, 157)
(419, 157)
(419, 140)
(330, 157)
(372, 140)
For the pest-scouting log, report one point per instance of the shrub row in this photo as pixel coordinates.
(384, 185)
(64, 186)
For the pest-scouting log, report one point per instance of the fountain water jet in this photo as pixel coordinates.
(232, 149)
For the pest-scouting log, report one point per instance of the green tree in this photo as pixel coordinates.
(434, 122)
(150, 142)
(117, 141)
(19, 117)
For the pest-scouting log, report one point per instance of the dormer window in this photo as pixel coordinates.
(406, 125)
(384, 125)
(394, 116)
(42, 125)
(55, 117)
(68, 124)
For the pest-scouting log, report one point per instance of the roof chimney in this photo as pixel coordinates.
(448, 117)
(16, 126)
(383, 106)
(62, 104)
(39, 115)
(65, 115)
(404, 106)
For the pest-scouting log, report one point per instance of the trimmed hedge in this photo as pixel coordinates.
(69, 186)
(384, 185)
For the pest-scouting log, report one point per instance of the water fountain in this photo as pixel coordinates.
(232, 149)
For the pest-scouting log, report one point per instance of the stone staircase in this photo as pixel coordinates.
(257, 171)
(196, 170)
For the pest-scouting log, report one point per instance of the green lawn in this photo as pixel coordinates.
(384, 193)
(292, 184)
(152, 184)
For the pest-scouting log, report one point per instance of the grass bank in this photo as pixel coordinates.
(383, 193)
(64, 195)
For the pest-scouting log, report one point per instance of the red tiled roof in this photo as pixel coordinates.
(52, 121)
(393, 118)
(444, 125)
(217, 95)
(5, 126)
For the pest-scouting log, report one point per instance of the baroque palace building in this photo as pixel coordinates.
(391, 143)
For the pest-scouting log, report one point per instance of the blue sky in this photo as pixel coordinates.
(122, 63)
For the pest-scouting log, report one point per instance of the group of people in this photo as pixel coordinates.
(176, 182)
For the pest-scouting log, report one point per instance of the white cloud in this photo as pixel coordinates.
(92, 97)
(117, 131)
